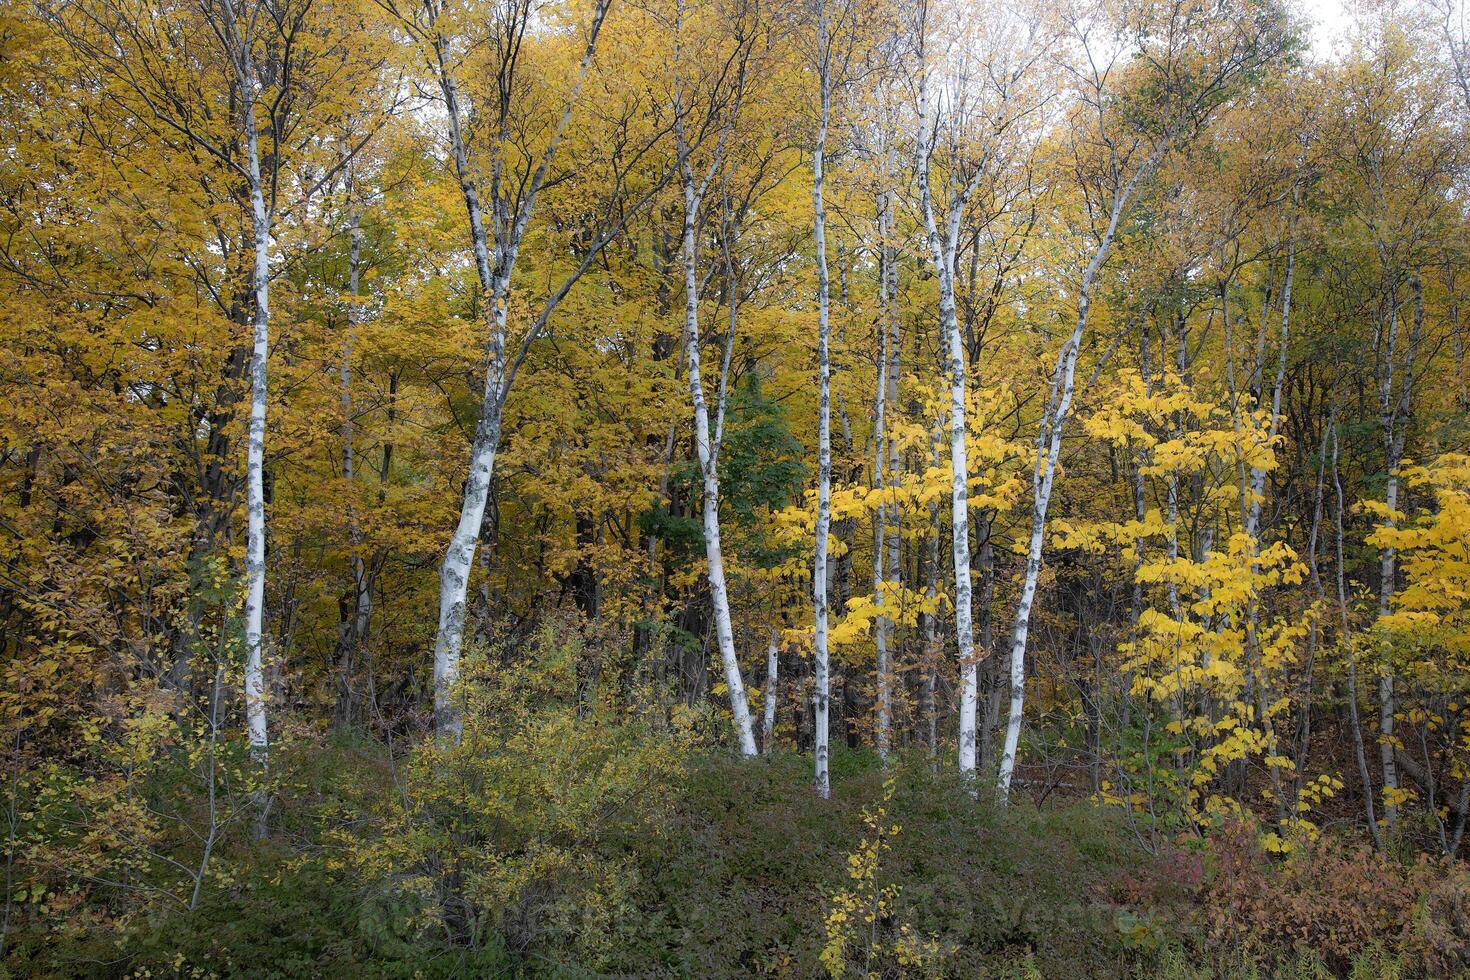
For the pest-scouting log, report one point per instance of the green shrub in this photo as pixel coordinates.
(754, 859)
(500, 841)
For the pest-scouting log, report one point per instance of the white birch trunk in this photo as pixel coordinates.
(454, 573)
(821, 695)
(714, 558)
(257, 732)
(943, 253)
(255, 695)
(880, 463)
(1049, 447)
(773, 669)
(494, 278)
(1049, 444)
(707, 450)
(960, 533)
(459, 557)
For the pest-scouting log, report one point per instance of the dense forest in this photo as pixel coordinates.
(726, 487)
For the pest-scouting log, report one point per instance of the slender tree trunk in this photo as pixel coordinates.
(773, 667)
(1386, 573)
(880, 463)
(255, 694)
(459, 557)
(1314, 631)
(255, 466)
(1394, 418)
(1258, 473)
(355, 628)
(992, 688)
(1253, 494)
(885, 461)
(1049, 447)
(1140, 511)
(943, 253)
(1345, 640)
(932, 646)
(893, 568)
(960, 534)
(708, 466)
(821, 696)
(454, 573)
(494, 280)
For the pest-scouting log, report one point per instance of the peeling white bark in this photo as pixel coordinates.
(710, 512)
(821, 695)
(695, 188)
(942, 250)
(773, 669)
(495, 279)
(1049, 447)
(255, 695)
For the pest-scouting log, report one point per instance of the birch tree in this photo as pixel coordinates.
(1394, 142)
(887, 516)
(982, 70)
(237, 37)
(887, 454)
(722, 97)
(250, 105)
(821, 694)
(768, 712)
(519, 161)
(1395, 398)
(1175, 70)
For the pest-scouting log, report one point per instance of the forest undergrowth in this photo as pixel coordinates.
(568, 836)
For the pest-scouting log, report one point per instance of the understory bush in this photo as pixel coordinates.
(562, 838)
(505, 842)
(1341, 902)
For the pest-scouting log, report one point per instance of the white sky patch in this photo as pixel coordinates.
(1331, 24)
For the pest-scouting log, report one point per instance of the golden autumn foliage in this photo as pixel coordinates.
(1252, 592)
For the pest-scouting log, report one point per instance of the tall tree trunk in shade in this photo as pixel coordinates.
(354, 628)
(1395, 405)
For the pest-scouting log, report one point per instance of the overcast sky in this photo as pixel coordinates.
(1330, 23)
